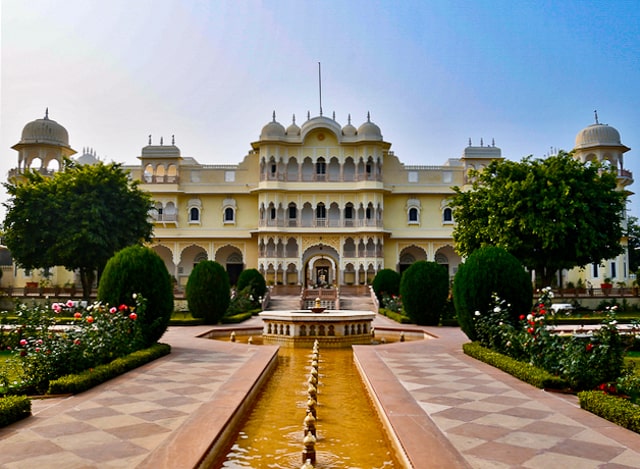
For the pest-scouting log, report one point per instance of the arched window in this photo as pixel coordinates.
(321, 166)
(413, 215)
(194, 214)
(229, 215)
(413, 212)
(321, 211)
(447, 215)
(229, 211)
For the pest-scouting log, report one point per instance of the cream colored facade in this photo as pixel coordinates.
(321, 203)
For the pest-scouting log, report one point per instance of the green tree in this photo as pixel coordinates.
(252, 278)
(140, 270)
(79, 218)
(554, 213)
(424, 288)
(208, 291)
(633, 236)
(486, 271)
(386, 281)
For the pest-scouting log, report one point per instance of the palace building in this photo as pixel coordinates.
(316, 204)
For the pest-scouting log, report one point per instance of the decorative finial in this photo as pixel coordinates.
(493, 142)
(161, 141)
(596, 114)
(368, 116)
(481, 142)
(173, 140)
(293, 119)
(274, 116)
(46, 113)
(149, 139)
(469, 141)
(334, 115)
(308, 115)
(349, 119)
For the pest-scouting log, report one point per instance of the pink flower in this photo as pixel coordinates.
(57, 307)
(37, 349)
(76, 342)
(23, 342)
(133, 316)
(70, 304)
(112, 310)
(39, 341)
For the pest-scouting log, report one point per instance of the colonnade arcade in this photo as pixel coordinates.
(317, 169)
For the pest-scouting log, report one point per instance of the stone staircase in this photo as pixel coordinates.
(292, 302)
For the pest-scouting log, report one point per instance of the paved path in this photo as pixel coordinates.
(448, 410)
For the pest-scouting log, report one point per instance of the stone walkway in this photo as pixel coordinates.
(447, 410)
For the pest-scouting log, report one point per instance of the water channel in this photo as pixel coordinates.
(349, 432)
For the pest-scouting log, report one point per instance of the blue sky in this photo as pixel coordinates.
(433, 74)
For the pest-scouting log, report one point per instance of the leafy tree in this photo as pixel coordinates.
(424, 287)
(77, 219)
(140, 270)
(633, 236)
(554, 213)
(487, 271)
(386, 281)
(208, 291)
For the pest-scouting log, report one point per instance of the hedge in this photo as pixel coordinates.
(523, 371)
(397, 317)
(240, 317)
(615, 409)
(14, 408)
(89, 378)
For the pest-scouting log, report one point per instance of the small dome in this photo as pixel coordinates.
(272, 130)
(88, 156)
(598, 135)
(369, 130)
(293, 130)
(349, 130)
(45, 131)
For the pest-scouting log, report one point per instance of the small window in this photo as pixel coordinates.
(413, 176)
(614, 272)
(321, 166)
(229, 215)
(293, 212)
(272, 213)
(447, 215)
(413, 215)
(194, 214)
(595, 271)
(368, 213)
(321, 211)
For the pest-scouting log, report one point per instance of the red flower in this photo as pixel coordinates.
(123, 307)
(76, 342)
(23, 342)
(89, 319)
(133, 316)
(522, 316)
(77, 315)
(530, 330)
(589, 347)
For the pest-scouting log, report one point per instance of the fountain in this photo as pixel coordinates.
(331, 328)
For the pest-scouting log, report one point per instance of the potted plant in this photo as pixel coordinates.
(580, 286)
(606, 286)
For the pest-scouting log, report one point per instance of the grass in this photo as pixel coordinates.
(9, 370)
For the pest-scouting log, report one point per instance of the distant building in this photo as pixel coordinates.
(316, 204)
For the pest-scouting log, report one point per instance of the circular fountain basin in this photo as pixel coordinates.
(331, 328)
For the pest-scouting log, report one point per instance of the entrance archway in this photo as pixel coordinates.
(320, 267)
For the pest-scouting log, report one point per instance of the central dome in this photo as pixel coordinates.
(45, 131)
(598, 135)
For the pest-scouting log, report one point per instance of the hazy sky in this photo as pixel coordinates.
(432, 73)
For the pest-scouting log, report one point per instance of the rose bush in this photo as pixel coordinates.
(99, 334)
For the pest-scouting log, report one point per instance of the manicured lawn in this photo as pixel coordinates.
(8, 370)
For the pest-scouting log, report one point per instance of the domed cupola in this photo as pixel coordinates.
(369, 130)
(45, 131)
(597, 135)
(293, 130)
(43, 141)
(273, 130)
(89, 156)
(349, 130)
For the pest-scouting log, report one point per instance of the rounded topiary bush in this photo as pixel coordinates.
(254, 279)
(486, 271)
(140, 270)
(424, 288)
(208, 291)
(386, 281)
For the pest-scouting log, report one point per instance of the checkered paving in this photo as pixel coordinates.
(118, 424)
(498, 422)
